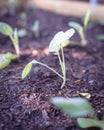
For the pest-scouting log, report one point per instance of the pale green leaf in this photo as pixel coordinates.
(26, 70)
(60, 40)
(6, 29)
(35, 26)
(86, 123)
(5, 59)
(78, 28)
(11, 56)
(87, 18)
(75, 25)
(75, 107)
(22, 33)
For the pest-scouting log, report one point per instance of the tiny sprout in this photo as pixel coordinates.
(35, 29)
(22, 21)
(23, 16)
(12, 5)
(7, 30)
(22, 33)
(56, 45)
(79, 108)
(81, 29)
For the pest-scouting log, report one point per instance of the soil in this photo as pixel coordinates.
(25, 104)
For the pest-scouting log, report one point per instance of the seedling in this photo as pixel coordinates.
(23, 19)
(79, 108)
(35, 29)
(12, 5)
(82, 28)
(56, 45)
(7, 30)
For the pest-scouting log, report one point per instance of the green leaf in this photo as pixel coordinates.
(11, 56)
(86, 95)
(87, 18)
(80, 30)
(35, 26)
(5, 59)
(78, 27)
(75, 107)
(6, 29)
(22, 33)
(75, 25)
(86, 123)
(60, 40)
(26, 70)
(100, 37)
(15, 41)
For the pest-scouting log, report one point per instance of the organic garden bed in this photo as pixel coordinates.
(25, 104)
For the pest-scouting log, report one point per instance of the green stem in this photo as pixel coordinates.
(59, 60)
(63, 67)
(83, 39)
(16, 47)
(62, 64)
(63, 61)
(49, 68)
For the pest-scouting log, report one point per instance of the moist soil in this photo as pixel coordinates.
(25, 104)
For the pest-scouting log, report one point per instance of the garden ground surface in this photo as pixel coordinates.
(25, 104)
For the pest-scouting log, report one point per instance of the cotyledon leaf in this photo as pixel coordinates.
(75, 107)
(6, 29)
(86, 123)
(5, 59)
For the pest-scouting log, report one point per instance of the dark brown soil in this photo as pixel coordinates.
(25, 104)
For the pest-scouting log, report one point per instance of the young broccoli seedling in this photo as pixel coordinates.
(35, 29)
(22, 19)
(79, 108)
(82, 28)
(12, 5)
(7, 30)
(56, 45)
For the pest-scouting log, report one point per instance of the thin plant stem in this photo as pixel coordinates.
(60, 60)
(16, 48)
(50, 69)
(63, 69)
(63, 60)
